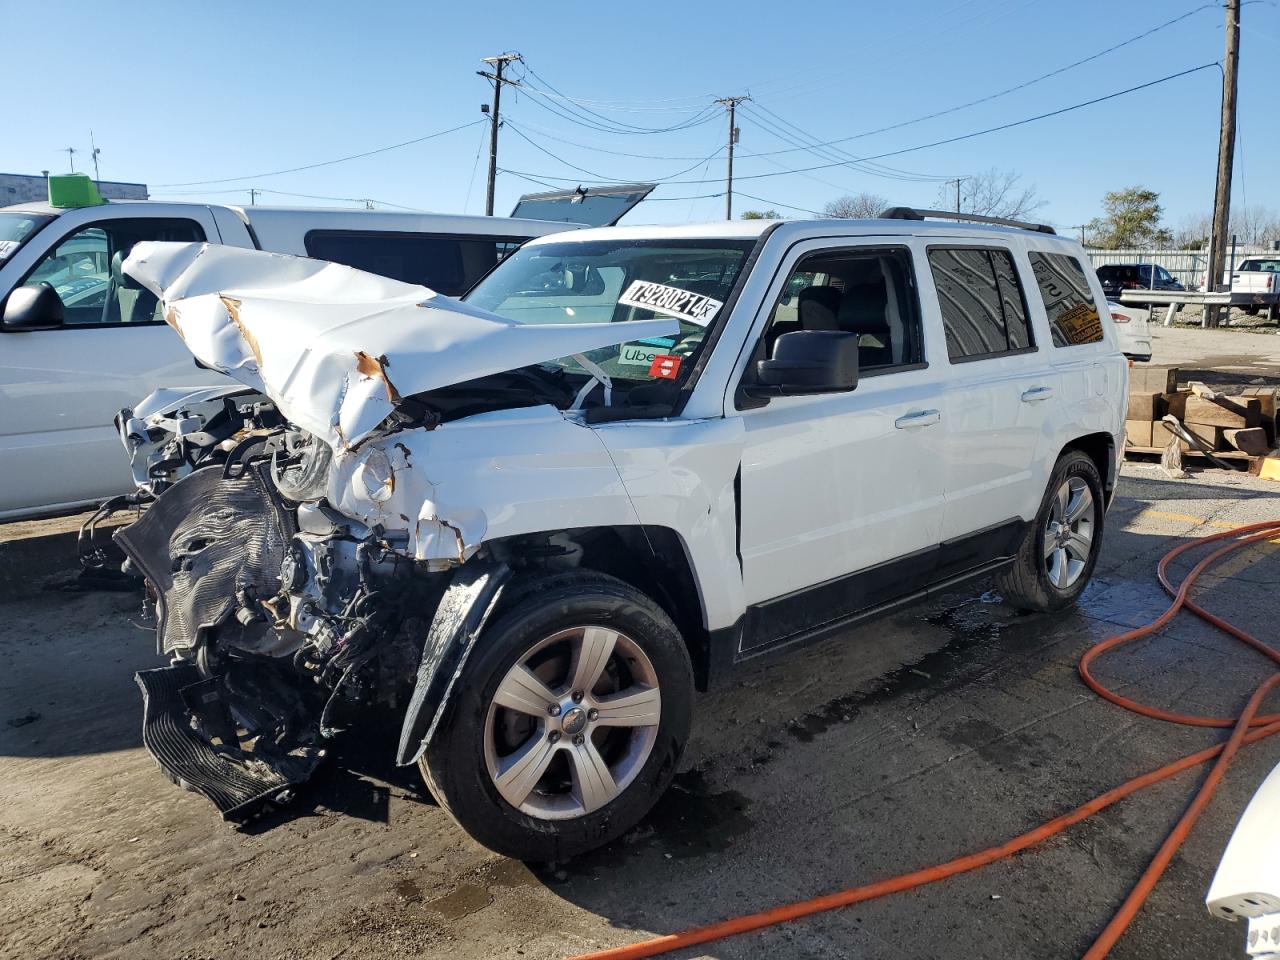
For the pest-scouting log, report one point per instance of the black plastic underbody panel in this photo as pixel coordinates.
(238, 784)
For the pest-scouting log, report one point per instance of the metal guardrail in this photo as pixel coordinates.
(1174, 300)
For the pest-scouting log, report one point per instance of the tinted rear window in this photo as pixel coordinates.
(984, 312)
(1068, 301)
(448, 265)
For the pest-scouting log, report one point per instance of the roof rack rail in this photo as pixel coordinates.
(911, 213)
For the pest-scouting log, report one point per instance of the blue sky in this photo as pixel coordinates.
(176, 93)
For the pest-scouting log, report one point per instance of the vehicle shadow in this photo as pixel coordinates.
(968, 709)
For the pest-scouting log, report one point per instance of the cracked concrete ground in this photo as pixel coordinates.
(940, 731)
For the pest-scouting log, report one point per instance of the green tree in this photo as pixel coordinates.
(1131, 218)
(761, 215)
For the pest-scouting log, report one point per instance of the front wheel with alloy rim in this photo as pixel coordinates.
(1060, 547)
(568, 721)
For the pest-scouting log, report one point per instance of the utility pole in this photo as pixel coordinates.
(1226, 157)
(94, 148)
(71, 155)
(253, 196)
(497, 63)
(957, 181)
(731, 104)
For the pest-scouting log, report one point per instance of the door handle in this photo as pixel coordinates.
(918, 418)
(1036, 394)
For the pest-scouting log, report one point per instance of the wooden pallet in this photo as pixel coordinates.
(1220, 454)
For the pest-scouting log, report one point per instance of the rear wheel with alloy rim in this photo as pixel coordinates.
(569, 719)
(1060, 548)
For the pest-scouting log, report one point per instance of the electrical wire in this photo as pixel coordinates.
(1013, 89)
(976, 133)
(700, 161)
(700, 116)
(324, 163)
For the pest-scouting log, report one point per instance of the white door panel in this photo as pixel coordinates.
(999, 416)
(831, 485)
(60, 389)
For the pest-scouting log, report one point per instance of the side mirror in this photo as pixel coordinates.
(807, 362)
(33, 307)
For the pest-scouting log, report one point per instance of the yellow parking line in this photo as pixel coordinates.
(1187, 517)
(1192, 518)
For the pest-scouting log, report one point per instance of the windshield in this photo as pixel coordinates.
(16, 229)
(613, 281)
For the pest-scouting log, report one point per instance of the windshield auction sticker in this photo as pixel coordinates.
(672, 301)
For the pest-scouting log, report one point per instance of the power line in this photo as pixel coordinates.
(324, 163)
(977, 133)
(1019, 86)
(775, 203)
(520, 133)
(619, 125)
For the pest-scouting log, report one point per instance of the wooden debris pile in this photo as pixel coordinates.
(1236, 430)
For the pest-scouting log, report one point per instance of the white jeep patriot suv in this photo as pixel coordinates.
(532, 522)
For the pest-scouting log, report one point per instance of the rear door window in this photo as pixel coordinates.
(448, 265)
(1074, 318)
(984, 311)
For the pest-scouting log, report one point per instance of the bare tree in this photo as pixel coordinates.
(994, 193)
(862, 206)
(1254, 224)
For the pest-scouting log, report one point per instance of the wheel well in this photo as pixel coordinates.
(1101, 449)
(651, 559)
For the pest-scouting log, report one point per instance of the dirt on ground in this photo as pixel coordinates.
(942, 730)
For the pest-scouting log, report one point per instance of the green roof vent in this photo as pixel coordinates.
(73, 190)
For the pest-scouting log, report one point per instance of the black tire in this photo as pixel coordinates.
(454, 765)
(1027, 584)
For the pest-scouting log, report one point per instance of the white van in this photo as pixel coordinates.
(79, 340)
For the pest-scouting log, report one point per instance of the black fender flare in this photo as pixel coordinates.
(460, 616)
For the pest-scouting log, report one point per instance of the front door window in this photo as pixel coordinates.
(84, 270)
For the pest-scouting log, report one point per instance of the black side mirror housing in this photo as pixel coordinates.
(808, 362)
(33, 307)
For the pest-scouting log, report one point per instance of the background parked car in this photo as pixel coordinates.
(78, 340)
(1116, 277)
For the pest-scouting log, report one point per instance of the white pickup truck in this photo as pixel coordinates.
(79, 340)
(1255, 284)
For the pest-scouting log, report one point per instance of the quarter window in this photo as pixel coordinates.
(448, 265)
(984, 312)
(1068, 301)
(870, 292)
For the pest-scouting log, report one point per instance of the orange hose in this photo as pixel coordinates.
(1248, 727)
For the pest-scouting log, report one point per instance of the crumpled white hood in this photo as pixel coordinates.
(335, 347)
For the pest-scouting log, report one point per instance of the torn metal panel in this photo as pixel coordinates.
(463, 610)
(336, 347)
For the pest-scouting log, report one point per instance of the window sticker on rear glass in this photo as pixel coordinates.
(672, 301)
(1080, 324)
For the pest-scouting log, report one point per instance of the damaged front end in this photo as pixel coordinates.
(281, 620)
(305, 568)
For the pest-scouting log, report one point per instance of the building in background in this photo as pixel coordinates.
(23, 188)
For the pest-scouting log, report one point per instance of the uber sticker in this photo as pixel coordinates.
(673, 301)
(667, 367)
(637, 354)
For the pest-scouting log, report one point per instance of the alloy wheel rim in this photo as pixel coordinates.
(1068, 532)
(572, 723)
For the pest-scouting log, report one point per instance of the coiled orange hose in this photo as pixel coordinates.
(1248, 727)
